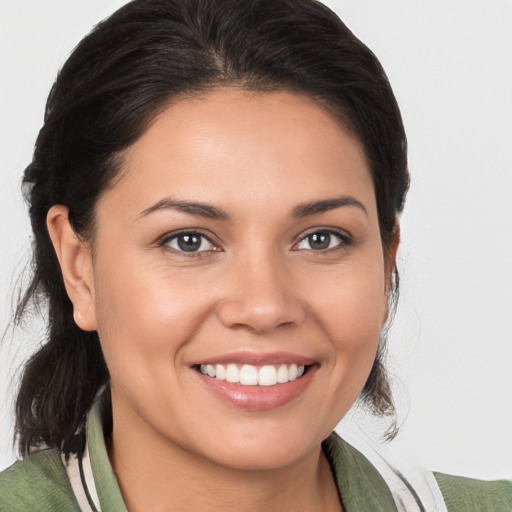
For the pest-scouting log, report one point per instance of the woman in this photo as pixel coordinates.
(215, 197)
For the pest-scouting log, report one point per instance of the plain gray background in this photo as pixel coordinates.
(451, 346)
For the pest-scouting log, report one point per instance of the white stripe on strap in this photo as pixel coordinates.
(72, 466)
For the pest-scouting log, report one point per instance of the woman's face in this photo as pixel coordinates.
(241, 239)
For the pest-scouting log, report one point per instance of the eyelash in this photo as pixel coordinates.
(344, 241)
(168, 239)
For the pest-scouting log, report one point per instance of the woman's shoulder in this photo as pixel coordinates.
(38, 482)
(411, 488)
(461, 493)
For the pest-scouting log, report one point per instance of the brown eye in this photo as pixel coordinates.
(189, 242)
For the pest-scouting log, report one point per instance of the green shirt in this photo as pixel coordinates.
(41, 483)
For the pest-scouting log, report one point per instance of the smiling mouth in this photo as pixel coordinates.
(251, 375)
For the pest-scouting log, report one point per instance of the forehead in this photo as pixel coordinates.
(234, 146)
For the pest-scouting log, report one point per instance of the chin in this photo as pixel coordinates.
(258, 448)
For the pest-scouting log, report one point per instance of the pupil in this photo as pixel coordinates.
(320, 240)
(189, 243)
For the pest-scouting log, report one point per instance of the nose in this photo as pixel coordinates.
(260, 297)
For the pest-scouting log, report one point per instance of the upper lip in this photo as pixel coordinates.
(258, 359)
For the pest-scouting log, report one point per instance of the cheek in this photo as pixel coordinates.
(352, 303)
(145, 315)
(351, 310)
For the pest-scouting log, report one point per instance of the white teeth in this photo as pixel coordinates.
(220, 372)
(267, 376)
(282, 374)
(232, 373)
(249, 375)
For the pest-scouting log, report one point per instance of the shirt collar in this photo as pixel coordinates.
(107, 487)
(361, 486)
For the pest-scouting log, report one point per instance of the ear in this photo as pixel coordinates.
(390, 263)
(391, 255)
(75, 261)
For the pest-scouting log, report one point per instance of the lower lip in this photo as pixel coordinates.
(258, 398)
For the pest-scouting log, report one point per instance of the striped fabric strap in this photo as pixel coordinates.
(72, 465)
(80, 476)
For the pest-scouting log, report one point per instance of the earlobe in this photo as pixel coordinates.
(390, 265)
(75, 261)
(393, 250)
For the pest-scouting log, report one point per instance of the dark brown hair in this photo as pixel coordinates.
(111, 87)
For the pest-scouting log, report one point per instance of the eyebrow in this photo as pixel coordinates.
(198, 209)
(212, 212)
(324, 205)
